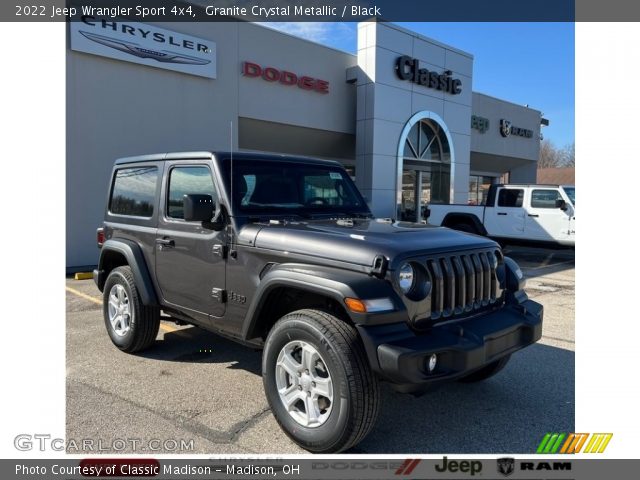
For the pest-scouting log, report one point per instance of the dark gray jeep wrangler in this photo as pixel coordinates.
(283, 253)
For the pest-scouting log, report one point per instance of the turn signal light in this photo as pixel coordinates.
(355, 305)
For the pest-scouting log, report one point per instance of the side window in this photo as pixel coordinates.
(133, 191)
(187, 180)
(510, 197)
(544, 198)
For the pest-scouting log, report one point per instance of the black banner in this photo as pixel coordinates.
(294, 11)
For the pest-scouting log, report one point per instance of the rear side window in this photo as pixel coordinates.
(510, 197)
(134, 191)
(544, 198)
(184, 181)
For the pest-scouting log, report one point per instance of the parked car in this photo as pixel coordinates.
(283, 254)
(533, 214)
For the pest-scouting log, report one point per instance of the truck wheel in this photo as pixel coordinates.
(132, 325)
(486, 372)
(318, 382)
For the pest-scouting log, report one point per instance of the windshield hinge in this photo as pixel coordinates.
(220, 250)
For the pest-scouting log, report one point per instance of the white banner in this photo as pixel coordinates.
(144, 44)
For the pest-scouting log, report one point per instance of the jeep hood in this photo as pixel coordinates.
(360, 240)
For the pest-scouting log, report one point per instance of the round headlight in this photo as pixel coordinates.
(515, 277)
(406, 278)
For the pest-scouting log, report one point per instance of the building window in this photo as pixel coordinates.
(479, 189)
(427, 141)
(426, 175)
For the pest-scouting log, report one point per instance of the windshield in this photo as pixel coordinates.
(571, 193)
(265, 187)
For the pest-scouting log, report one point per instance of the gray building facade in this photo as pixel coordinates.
(400, 114)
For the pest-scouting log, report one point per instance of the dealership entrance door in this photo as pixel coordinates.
(426, 170)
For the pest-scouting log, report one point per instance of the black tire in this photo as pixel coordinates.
(486, 372)
(464, 227)
(144, 320)
(356, 389)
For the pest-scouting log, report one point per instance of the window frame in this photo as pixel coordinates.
(158, 171)
(504, 189)
(559, 196)
(165, 214)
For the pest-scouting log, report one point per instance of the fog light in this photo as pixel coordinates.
(433, 360)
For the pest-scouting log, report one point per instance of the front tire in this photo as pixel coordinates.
(132, 326)
(318, 382)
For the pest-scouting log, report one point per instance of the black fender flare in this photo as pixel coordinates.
(453, 218)
(334, 283)
(136, 261)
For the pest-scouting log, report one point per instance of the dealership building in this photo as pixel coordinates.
(400, 114)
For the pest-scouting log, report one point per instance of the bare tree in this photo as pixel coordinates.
(568, 155)
(549, 157)
(553, 157)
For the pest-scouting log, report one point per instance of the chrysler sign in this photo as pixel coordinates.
(144, 44)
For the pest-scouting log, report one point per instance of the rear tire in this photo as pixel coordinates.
(132, 326)
(312, 358)
(486, 372)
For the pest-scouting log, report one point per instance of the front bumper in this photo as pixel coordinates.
(400, 355)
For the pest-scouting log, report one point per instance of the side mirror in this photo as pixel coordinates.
(561, 204)
(198, 208)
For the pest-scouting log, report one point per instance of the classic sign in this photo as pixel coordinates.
(408, 68)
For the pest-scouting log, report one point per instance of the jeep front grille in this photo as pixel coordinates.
(464, 283)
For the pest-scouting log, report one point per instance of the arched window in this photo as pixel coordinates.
(424, 166)
(427, 141)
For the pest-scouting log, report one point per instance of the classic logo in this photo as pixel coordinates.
(505, 127)
(506, 466)
(134, 49)
(408, 68)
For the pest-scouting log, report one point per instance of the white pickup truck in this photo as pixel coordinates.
(542, 214)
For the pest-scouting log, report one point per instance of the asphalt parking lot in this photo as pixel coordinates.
(194, 385)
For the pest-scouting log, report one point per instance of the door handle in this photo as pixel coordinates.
(501, 213)
(165, 242)
(533, 215)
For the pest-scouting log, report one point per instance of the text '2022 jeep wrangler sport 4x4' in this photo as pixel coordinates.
(283, 253)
